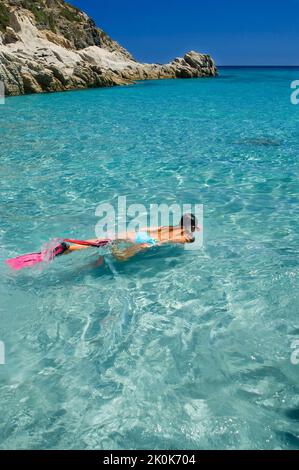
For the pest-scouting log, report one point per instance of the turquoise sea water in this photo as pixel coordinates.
(171, 350)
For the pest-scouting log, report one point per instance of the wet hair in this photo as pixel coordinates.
(189, 222)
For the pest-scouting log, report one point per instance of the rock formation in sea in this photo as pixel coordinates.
(49, 45)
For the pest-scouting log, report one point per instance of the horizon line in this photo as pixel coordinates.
(252, 65)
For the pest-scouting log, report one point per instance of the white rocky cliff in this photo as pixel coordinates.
(48, 45)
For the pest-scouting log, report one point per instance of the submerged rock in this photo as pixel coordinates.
(53, 46)
(260, 142)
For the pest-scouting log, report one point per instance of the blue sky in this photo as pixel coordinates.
(234, 32)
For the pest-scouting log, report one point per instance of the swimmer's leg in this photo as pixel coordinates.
(99, 262)
(95, 264)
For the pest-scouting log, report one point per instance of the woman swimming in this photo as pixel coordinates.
(149, 237)
(135, 242)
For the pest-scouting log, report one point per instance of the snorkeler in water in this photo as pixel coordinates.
(135, 242)
(149, 237)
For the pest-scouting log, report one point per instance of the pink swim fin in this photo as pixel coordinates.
(25, 261)
(31, 259)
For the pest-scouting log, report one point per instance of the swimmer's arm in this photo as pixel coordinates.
(177, 241)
